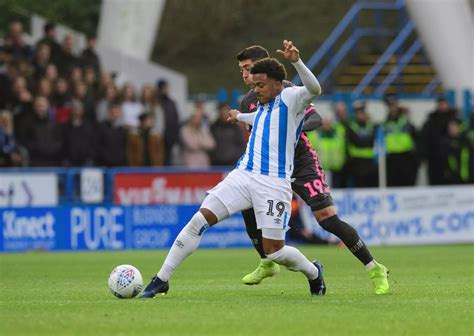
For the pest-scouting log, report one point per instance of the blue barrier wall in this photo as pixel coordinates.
(33, 217)
(96, 228)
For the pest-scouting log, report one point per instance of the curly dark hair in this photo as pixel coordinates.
(253, 53)
(271, 67)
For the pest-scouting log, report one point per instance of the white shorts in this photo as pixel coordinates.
(270, 197)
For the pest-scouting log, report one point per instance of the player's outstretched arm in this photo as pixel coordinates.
(235, 116)
(292, 54)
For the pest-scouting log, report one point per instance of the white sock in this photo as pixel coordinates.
(370, 265)
(185, 243)
(295, 261)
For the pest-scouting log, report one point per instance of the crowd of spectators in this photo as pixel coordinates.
(347, 146)
(59, 108)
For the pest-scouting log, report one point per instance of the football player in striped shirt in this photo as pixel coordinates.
(262, 178)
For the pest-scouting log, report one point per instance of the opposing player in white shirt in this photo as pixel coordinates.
(262, 177)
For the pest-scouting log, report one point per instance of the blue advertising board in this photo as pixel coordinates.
(430, 215)
(109, 227)
(26, 229)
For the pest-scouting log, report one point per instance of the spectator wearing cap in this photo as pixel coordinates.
(196, 139)
(171, 133)
(144, 147)
(434, 132)
(230, 142)
(362, 168)
(400, 144)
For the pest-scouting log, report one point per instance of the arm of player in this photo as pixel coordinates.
(247, 118)
(235, 115)
(310, 82)
(311, 87)
(312, 119)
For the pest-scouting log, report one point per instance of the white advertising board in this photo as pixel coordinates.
(421, 215)
(28, 190)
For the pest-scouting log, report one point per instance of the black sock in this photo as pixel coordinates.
(254, 233)
(349, 237)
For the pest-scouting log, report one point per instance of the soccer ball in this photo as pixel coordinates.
(125, 281)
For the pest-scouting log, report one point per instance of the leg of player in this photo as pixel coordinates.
(290, 257)
(266, 268)
(330, 222)
(186, 243)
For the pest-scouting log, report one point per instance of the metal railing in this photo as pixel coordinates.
(401, 36)
(346, 48)
(389, 52)
(431, 86)
(395, 72)
(348, 20)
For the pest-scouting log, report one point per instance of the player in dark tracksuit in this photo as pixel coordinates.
(309, 183)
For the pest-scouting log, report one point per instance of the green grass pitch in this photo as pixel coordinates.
(67, 294)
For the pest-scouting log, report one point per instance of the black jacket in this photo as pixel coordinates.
(172, 126)
(89, 58)
(43, 142)
(111, 145)
(78, 144)
(230, 143)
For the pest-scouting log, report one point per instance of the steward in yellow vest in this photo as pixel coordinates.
(458, 146)
(329, 142)
(400, 146)
(362, 168)
(468, 129)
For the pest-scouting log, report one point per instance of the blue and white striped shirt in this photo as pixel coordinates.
(276, 128)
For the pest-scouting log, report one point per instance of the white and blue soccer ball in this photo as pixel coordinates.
(125, 281)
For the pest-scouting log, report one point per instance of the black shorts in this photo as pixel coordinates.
(308, 177)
